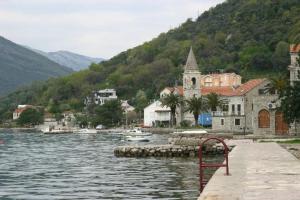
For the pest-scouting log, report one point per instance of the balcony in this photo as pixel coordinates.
(226, 113)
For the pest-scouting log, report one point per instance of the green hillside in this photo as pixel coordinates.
(250, 37)
(20, 66)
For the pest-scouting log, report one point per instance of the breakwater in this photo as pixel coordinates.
(177, 147)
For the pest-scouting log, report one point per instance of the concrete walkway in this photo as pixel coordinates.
(259, 171)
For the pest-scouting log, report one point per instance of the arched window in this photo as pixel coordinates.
(194, 81)
(263, 119)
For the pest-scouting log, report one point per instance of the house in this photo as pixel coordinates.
(126, 107)
(156, 114)
(101, 96)
(19, 110)
(249, 107)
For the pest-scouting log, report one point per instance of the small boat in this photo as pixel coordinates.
(192, 132)
(138, 138)
(136, 132)
(86, 130)
(57, 131)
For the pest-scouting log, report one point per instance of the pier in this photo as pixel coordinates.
(257, 171)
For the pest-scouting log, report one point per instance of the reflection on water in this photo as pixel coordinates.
(37, 166)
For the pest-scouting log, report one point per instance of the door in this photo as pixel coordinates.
(281, 127)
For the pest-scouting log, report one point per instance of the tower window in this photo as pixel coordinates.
(194, 81)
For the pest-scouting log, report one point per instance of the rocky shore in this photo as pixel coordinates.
(177, 147)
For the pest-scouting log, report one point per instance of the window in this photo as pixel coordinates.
(194, 81)
(261, 91)
(232, 108)
(239, 109)
(225, 107)
(222, 122)
(237, 122)
(252, 106)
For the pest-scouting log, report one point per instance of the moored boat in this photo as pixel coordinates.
(86, 130)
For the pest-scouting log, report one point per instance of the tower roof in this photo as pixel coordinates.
(191, 63)
(295, 48)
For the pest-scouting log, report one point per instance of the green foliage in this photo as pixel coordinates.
(172, 101)
(214, 101)
(31, 116)
(196, 105)
(290, 103)
(247, 37)
(108, 114)
(141, 101)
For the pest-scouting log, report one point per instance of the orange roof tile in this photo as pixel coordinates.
(223, 91)
(179, 89)
(295, 48)
(227, 90)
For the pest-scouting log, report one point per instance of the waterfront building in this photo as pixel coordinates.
(157, 115)
(101, 96)
(19, 110)
(249, 107)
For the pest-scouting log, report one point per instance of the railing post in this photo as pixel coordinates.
(203, 165)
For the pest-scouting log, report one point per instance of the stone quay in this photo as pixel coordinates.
(177, 147)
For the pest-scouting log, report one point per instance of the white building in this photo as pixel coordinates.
(155, 114)
(101, 96)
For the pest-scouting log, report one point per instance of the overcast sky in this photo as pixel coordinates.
(99, 28)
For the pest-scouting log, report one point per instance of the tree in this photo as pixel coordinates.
(196, 105)
(141, 102)
(172, 101)
(278, 84)
(214, 101)
(109, 114)
(31, 116)
(290, 103)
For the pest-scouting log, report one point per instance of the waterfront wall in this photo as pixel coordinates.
(168, 150)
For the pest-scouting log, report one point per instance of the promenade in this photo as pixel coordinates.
(259, 171)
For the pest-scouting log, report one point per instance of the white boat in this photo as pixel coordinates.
(192, 132)
(86, 130)
(57, 131)
(138, 138)
(136, 132)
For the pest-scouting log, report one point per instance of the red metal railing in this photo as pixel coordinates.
(203, 165)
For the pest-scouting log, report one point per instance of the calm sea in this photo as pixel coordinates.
(82, 166)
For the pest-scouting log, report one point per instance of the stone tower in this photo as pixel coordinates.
(191, 77)
(294, 68)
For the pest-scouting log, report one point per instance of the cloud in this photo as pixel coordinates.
(100, 28)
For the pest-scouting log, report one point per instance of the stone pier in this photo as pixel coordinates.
(259, 171)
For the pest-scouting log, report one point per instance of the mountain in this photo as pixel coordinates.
(69, 59)
(250, 37)
(20, 66)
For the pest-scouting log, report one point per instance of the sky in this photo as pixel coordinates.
(98, 28)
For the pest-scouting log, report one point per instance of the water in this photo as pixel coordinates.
(37, 166)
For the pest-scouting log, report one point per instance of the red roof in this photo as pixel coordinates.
(295, 48)
(227, 90)
(224, 91)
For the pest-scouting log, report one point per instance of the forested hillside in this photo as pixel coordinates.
(20, 66)
(250, 37)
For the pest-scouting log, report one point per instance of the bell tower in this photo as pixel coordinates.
(191, 77)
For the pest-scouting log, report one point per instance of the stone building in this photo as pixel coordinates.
(250, 107)
(294, 67)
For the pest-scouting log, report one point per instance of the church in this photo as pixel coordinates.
(249, 108)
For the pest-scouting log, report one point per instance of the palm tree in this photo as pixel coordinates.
(172, 101)
(278, 84)
(214, 101)
(196, 105)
